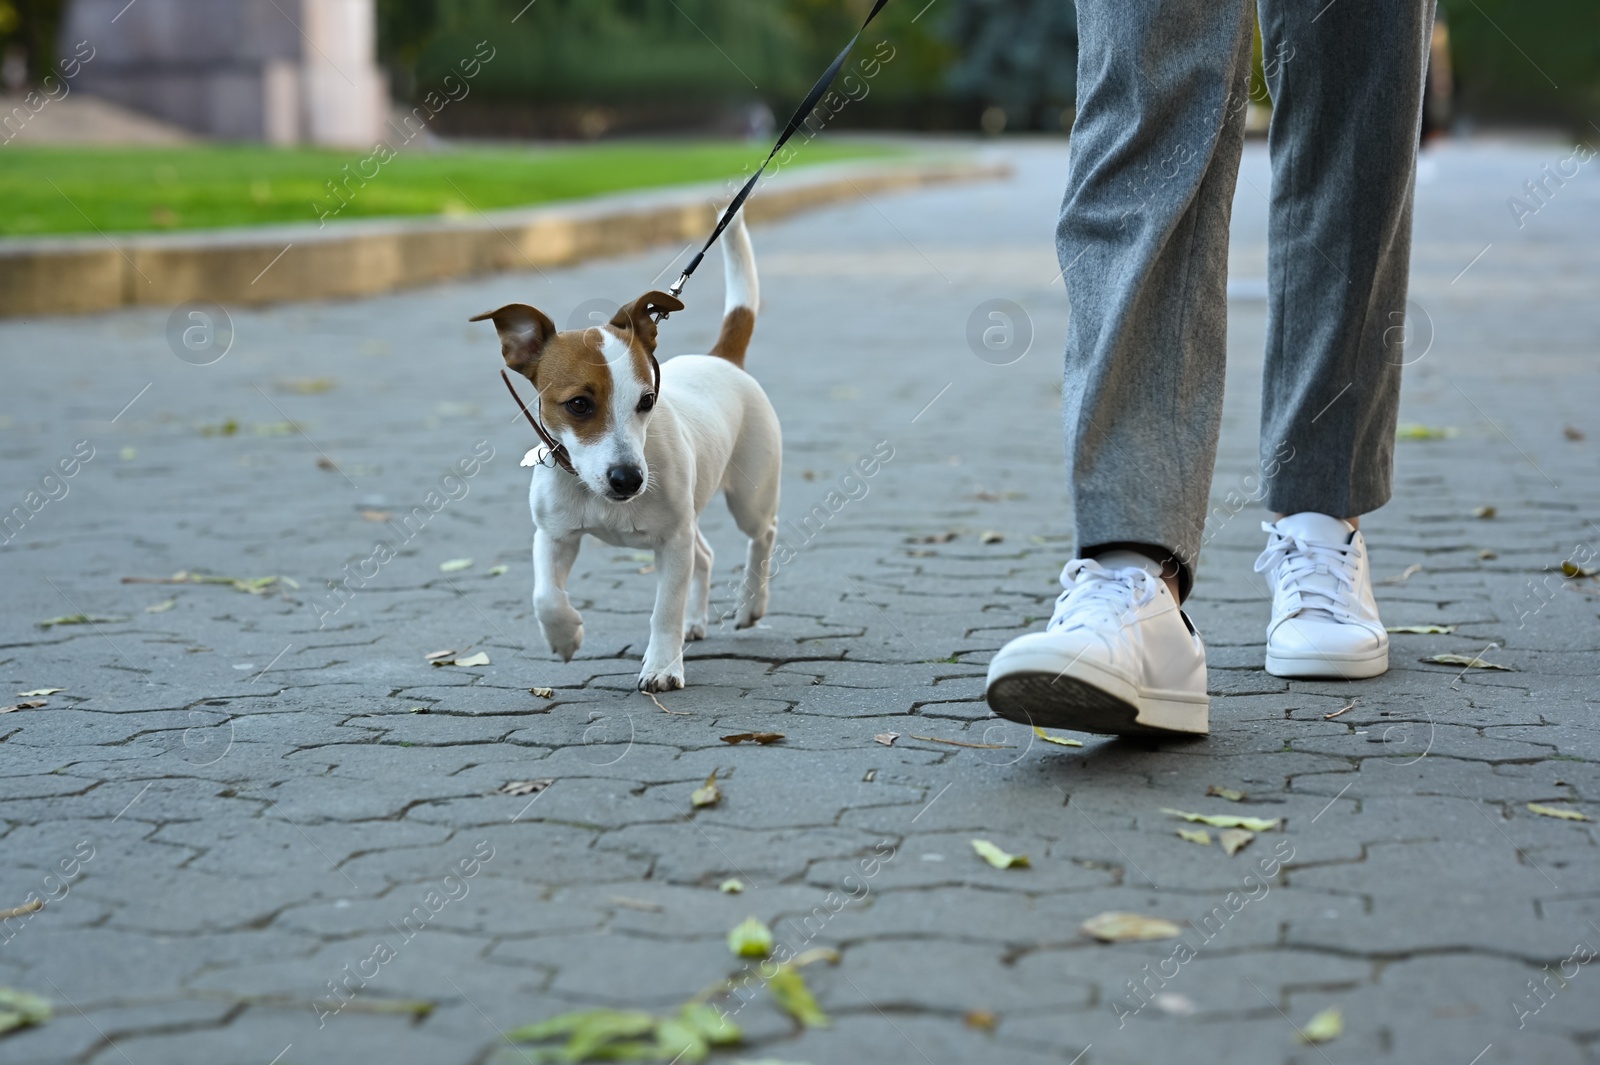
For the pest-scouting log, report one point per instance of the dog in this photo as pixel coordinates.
(648, 445)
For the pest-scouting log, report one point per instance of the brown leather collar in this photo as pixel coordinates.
(558, 450)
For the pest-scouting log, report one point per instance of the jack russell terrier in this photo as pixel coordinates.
(640, 449)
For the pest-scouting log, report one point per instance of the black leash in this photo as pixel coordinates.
(795, 122)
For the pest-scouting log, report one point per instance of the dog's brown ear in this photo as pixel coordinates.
(524, 331)
(636, 316)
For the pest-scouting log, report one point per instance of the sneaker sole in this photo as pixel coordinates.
(1040, 693)
(1325, 667)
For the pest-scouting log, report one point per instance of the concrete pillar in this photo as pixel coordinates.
(281, 71)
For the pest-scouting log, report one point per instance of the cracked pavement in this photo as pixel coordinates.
(229, 808)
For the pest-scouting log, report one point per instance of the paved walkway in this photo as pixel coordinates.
(245, 820)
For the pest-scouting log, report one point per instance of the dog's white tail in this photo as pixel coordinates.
(744, 293)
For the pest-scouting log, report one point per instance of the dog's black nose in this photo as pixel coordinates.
(625, 480)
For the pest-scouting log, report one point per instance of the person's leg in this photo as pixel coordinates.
(1347, 105)
(1143, 242)
(1346, 109)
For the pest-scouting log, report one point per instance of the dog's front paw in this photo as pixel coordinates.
(564, 633)
(660, 680)
(694, 630)
(566, 645)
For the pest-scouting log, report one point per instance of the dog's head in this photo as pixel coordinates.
(596, 386)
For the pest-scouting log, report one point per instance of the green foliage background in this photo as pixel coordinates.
(616, 51)
(1017, 53)
(1530, 61)
(1514, 60)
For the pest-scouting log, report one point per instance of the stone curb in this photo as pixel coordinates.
(270, 264)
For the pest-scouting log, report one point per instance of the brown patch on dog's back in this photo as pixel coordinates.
(738, 325)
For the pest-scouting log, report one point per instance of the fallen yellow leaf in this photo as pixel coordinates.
(1234, 840)
(999, 858)
(1325, 1026)
(708, 794)
(1469, 661)
(1254, 824)
(1562, 812)
(1060, 740)
(750, 938)
(1115, 927)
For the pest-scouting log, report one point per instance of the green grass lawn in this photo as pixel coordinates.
(49, 190)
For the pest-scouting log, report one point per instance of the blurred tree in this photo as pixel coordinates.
(30, 25)
(1520, 61)
(404, 27)
(952, 58)
(654, 51)
(612, 51)
(1017, 55)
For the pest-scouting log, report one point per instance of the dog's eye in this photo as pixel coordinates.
(646, 402)
(580, 406)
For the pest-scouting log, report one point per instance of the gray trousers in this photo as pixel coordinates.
(1143, 241)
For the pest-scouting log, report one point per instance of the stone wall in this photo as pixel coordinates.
(281, 71)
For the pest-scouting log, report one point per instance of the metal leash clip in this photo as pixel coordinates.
(539, 456)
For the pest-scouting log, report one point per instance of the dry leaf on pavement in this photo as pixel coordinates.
(1325, 1026)
(795, 998)
(19, 1009)
(999, 858)
(1234, 840)
(1059, 740)
(1195, 835)
(1469, 661)
(479, 659)
(1254, 824)
(1114, 927)
(762, 738)
(707, 794)
(524, 787)
(750, 938)
(887, 738)
(1562, 812)
(1231, 794)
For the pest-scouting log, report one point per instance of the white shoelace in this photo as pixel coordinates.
(1291, 560)
(1095, 594)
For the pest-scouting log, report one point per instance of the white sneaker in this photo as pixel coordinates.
(1324, 618)
(1118, 657)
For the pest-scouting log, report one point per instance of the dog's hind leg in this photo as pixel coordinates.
(694, 624)
(754, 507)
